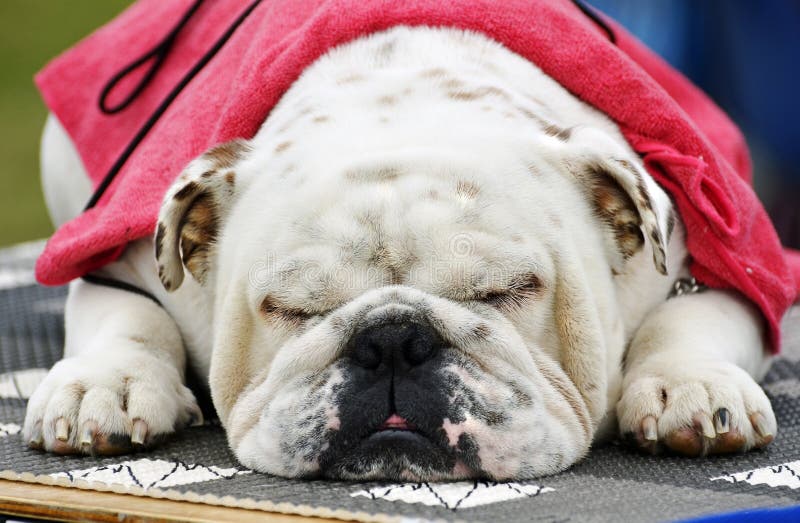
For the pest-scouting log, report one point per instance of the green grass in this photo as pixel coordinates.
(31, 33)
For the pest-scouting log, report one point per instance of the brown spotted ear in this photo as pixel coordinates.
(190, 215)
(628, 202)
(626, 208)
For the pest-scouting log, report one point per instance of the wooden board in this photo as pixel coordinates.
(71, 504)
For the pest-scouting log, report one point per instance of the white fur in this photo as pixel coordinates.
(376, 147)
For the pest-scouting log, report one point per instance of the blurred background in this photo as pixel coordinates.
(744, 53)
(31, 33)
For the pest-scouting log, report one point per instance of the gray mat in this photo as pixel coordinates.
(613, 484)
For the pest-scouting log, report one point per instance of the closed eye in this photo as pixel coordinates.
(514, 294)
(271, 310)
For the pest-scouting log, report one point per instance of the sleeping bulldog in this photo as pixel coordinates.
(431, 262)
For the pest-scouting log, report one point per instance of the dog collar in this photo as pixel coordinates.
(683, 286)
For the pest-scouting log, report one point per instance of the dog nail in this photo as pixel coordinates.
(139, 432)
(87, 433)
(649, 428)
(760, 424)
(195, 417)
(62, 429)
(36, 438)
(706, 427)
(721, 421)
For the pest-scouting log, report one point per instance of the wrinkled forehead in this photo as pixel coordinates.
(438, 223)
(398, 187)
(426, 198)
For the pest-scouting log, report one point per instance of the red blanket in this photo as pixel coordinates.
(686, 142)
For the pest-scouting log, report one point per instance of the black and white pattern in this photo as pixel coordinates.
(783, 475)
(453, 496)
(613, 483)
(148, 473)
(9, 429)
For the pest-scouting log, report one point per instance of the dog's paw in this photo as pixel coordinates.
(108, 404)
(694, 408)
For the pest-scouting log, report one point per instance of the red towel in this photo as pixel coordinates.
(687, 143)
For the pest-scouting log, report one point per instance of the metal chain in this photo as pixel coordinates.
(684, 286)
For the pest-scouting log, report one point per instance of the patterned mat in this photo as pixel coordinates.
(613, 484)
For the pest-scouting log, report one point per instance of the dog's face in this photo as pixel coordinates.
(395, 305)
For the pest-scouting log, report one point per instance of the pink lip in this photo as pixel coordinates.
(395, 422)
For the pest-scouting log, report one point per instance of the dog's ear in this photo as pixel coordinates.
(629, 204)
(192, 211)
(625, 206)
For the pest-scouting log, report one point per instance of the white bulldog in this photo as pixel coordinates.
(431, 262)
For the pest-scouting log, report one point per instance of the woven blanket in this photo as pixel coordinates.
(614, 483)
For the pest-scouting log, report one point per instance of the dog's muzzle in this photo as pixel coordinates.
(394, 400)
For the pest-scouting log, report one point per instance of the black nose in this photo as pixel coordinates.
(406, 344)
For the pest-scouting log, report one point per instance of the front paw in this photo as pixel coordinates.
(694, 408)
(108, 404)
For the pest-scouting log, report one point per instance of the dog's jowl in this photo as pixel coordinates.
(431, 261)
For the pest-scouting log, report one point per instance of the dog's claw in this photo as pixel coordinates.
(706, 427)
(722, 421)
(195, 416)
(650, 428)
(87, 433)
(62, 429)
(139, 432)
(37, 438)
(760, 424)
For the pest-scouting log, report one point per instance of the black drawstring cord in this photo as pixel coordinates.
(590, 12)
(109, 177)
(157, 54)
